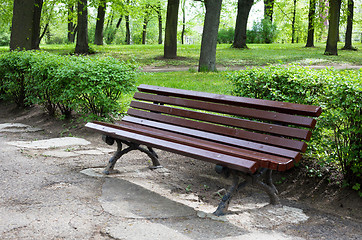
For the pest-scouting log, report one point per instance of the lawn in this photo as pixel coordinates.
(188, 55)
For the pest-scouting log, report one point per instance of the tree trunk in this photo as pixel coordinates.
(98, 37)
(244, 7)
(207, 60)
(82, 36)
(24, 33)
(71, 25)
(348, 39)
(268, 9)
(334, 13)
(128, 31)
(36, 24)
(159, 15)
(293, 20)
(311, 16)
(183, 20)
(144, 30)
(170, 47)
(119, 22)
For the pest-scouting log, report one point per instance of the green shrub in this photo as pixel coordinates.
(45, 88)
(4, 39)
(97, 84)
(262, 32)
(91, 86)
(337, 137)
(14, 68)
(225, 35)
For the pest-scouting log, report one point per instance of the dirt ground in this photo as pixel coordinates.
(335, 213)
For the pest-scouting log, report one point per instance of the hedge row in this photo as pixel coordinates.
(90, 86)
(337, 139)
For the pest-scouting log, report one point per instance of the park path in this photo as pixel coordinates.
(52, 188)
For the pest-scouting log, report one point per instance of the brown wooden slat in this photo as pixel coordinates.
(292, 108)
(188, 127)
(233, 110)
(264, 160)
(213, 157)
(257, 137)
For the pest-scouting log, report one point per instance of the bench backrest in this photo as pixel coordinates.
(276, 128)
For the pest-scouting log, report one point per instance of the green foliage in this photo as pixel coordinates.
(226, 35)
(262, 32)
(4, 39)
(337, 139)
(98, 84)
(91, 86)
(14, 69)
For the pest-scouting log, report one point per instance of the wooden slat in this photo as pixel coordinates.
(233, 110)
(213, 157)
(292, 108)
(257, 137)
(187, 127)
(264, 160)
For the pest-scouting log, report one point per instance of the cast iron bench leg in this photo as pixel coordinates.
(120, 152)
(255, 179)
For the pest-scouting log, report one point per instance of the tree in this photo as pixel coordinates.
(207, 61)
(159, 16)
(348, 38)
(71, 25)
(311, 16)
(81, 46)
(244, 7)
(333, 29)
(293, 20)
(25, 28)
(170, 46)
(146, 19)
(268, 9)
(98, 36)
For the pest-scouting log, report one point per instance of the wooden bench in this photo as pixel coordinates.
(246, 138)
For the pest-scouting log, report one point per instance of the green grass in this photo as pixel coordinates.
(215, 82)
(188, 55)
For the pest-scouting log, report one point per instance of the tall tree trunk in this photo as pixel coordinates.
(170, 47)
(348, 38)
(207, 60)
(244, 7)
(128, 31)
(293, 20)
(144, 29)
(311, 17)
(25, 24)
(119, 22)
(98, 37)
(183, 9)
(36, 24)
(81, 46)
(268, 9)
(71, 25)
(332, 39)
(159, 16)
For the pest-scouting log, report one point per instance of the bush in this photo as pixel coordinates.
(337, 137)
(97, 84)
(225, 35)
(14, 69)
(4, 39)
(262, 32)
(91, 86)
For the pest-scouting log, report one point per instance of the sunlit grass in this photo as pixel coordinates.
(188, 55)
